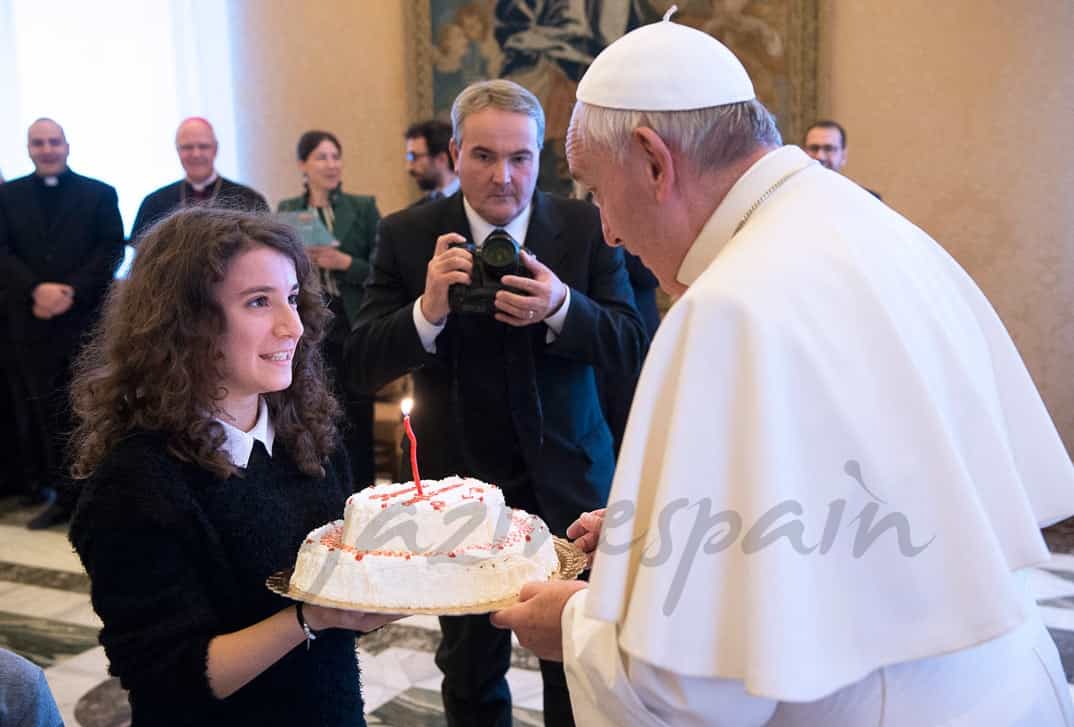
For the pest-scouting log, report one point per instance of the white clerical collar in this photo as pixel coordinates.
(202, 186)
(239, 444)
(51, 180)
(481, 229)
(450, 188)
(744, 194)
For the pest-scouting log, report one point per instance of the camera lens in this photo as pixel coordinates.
(499, 252)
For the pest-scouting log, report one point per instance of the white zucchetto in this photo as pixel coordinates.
(665, 66)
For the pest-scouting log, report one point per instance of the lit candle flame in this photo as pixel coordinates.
(406, 405)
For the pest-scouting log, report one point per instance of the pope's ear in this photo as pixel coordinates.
(659, 166)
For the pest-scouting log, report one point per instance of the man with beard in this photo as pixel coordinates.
(826, 141)
(429, 161)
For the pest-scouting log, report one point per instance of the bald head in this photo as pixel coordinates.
(196, 144)
(47, 145)
(194, 122)
(47, 125)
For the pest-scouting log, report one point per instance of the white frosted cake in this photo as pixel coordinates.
(456, 545)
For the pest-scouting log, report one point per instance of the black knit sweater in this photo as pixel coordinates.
(176, 556)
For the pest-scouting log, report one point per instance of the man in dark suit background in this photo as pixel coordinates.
(617, 392)
(428, 159)
(195, 142)
(61, 238)
(826, 141)
(510, 399)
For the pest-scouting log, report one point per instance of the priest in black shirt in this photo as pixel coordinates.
(195, 141)
(61, 238)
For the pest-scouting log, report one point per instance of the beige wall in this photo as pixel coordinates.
(960, 113)
(331, 64)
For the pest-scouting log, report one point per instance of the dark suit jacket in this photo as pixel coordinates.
(644, 285)
(157, 205)
(80, 246)
(356, 218)
(491, 387)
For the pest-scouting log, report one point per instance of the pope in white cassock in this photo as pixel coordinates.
(836, 466)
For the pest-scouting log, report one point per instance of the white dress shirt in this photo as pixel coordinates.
(481, 229)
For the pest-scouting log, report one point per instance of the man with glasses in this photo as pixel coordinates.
(196, 145)
(429, 161)
(826, 141)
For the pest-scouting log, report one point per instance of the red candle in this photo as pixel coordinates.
(406, 406)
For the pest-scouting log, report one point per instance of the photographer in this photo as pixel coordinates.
(507, 394)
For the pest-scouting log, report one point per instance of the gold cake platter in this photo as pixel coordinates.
(572, 561)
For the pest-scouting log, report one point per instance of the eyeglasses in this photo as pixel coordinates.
(413, 156)
(826, 148)
(188, 148)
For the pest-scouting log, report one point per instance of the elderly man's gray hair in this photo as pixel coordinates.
(711, 137)
(497, 94)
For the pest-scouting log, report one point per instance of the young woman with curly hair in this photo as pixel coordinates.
(208, 445)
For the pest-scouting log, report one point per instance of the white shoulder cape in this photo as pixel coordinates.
(835, 457)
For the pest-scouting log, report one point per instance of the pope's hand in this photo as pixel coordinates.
(536, 620)
(585, 532)
(449, 265)
(319, 617)
(540, 297)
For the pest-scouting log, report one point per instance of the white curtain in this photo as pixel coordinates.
(118, 75)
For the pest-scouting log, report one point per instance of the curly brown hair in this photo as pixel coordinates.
(154, 360)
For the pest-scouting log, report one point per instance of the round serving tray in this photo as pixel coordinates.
(572, 561)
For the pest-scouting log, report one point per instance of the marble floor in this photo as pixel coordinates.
(45, 615)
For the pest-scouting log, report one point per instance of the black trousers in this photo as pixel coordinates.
(39, 383)
(12, 474)
(474, 656)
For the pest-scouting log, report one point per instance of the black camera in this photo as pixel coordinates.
(498, 256)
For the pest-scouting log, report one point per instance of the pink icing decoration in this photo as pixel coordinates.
(522, 526)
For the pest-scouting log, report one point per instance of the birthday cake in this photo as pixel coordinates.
(456, 544)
